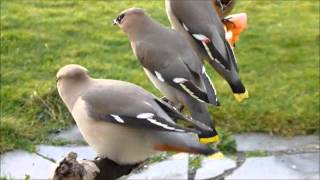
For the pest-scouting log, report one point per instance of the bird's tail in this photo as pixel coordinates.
(199, 111)
(232, 75)
(181, 142)
(239, 91)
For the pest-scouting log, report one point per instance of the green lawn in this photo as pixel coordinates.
(278, 57)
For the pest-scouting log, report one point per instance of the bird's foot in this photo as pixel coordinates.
(217, 155)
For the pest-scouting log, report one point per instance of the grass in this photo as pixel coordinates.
(194, 162)
(278, 57)
(257, 154)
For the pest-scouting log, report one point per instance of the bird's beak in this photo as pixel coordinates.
(241, 96)
(57, 79)
(115, 22)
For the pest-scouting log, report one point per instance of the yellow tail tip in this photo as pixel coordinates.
(209, 140)
(217, 155)
(241, 96)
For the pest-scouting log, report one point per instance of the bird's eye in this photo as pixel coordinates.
(120, 17)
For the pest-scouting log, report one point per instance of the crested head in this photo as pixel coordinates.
(133, 10)
(72, 71)
(130, 19)
(127, 14)
(72, 79)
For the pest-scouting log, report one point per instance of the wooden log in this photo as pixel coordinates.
(101, 169)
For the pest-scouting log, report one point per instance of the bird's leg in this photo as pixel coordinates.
(165, 99)
(178, 106)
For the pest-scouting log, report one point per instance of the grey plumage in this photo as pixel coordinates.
(201, 25)
(122, 121)
(170, 63)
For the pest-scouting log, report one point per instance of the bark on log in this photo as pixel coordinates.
(102, 169)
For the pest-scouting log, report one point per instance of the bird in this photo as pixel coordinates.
(122, 121)
(172, 66)
(203, 28)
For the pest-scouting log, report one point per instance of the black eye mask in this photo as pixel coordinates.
(118, 20)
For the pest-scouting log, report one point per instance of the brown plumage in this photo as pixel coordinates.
(122, 121)
(170, 63)
(202, 27)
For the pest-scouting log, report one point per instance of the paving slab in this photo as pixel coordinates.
(211, 168)
(17, 164)
(297, 166)
(265, 142)
(71, 135)
(176, 167)
(59, 152)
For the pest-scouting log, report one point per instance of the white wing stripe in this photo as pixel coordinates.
(117, 118)
(185, 27)
(190, 93)
(200, 37)
(203, 69)
(145, 115)
(208, 50)
(214, 89)
(153, 121)
(179, 80)
(159, 76)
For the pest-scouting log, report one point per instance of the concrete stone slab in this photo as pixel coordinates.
(265, 142)
(59, 152)
(211, 168)
(307, 164)
(71, 135)
(298, 166)
(17, 164)
(176, 167)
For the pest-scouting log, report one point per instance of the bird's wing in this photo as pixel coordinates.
(173, 70)
(213, 49)
(129, 106)
(206, 29)
(173, 113)
(144, 120)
